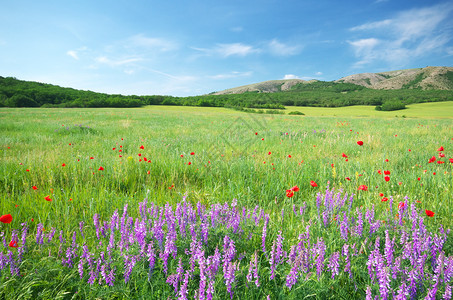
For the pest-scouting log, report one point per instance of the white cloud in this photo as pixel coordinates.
(291, 76)
(238, 49)
(281, 49)
(117, 62)
(231, 75)
(153, 43)
(318, 73)
(237, 29)
(405, 37)
(73, 54)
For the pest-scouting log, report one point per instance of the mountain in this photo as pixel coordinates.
(270, 86)
(429, 78)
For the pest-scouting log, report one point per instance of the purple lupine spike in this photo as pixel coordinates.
(383, 277)
(359, 227)
(368, 293)
(129, 263)
(333, 265)
(183, 290)
(320, 250)
(303, 208)
(51, 235)
(263, 236)
(447, 294)
(151, 259)
(402, 292)
(24, 234)
(96, 224)
(389, 248)
(202, 285)
(347, 263)
(344, 227)
(80, 268)
(39, 234)
(230, 276)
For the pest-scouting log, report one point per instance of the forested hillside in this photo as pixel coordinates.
(18, 93)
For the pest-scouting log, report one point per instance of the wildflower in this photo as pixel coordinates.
(440, 149)
(348, 179)
(384, 199)
(289, 193)
(63, 165)
(429, 213)
(386, 172)
(360, 143)
(432, 159)
(313, 184)
(379, 172)
(6, 218)
(289, 155)
(401, 205)
(344, 155)
(13, 244)
(387, 178)
(189, 163)
(256, 133)
(381, 194)
(363, 188)
(451, 160)
(142, 147)
(91, 157)
(295, 188)
(192, 153)
(34, 187)
(101, 169)
(269, 153)
(48, 198)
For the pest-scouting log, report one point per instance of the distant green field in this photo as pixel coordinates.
(94, 161)
(431, 110)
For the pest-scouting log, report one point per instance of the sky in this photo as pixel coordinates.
(189, 48)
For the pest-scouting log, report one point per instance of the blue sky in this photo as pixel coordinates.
(186, 48)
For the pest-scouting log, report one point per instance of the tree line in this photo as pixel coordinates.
(18, 93)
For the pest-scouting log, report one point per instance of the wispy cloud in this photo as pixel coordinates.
(407, 36)
(281, 49)
(143, 41)
(233, 74)
(73, 54)
(117, 62)
(226, 50)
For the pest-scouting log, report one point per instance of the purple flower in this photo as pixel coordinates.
(183, 290)
(263, 237)
(333, 265)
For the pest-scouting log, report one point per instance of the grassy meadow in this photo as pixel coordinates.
(95, 161)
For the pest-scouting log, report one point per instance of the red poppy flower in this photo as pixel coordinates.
(182, 155)
(387, 178)
(113, 148)
(313, 184)
(344, 155)
(63, 165)
(145, 159)
(440, 149)
(120, 150)
(451, 160)
(440, 162)
(432, 159)
(384, 199)
(91, 157)
(289, 155)
(6, 219)
(289, 193)
(139, 154)
(262, 139)
(441, 155)
(379, 172)
(13, 244)
(418, 178)
(34, 187)
(401, 205)
(189, 163)
(48, 198)
(192, 153)
(429, 213)
(386, 160)
(27, 170)
(101, 169)
(295, 188)
(256, 133)
(386, 172)
(269, 153)
(149, 172)
(360, 143)
(381, 194)
(363, 188)
(142, 147)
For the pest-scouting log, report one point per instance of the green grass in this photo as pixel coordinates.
(231, 160)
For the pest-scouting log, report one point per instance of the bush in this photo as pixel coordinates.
(391, 105)
(298, 113)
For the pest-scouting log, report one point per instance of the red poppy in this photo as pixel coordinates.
(386, 172)
(363, 188)
(269, 153)
(113, 148)
(347, 178)
(360, 143)
(379, 172)
(289, 155)
(432, 159)
(27, 170)
(440, 162)
(418, 178)
(182, 155)
(387, 178)
(451, 160)
(192, 153)
(145, 159)
(139, 154)
(63, 165)
(313, 184)
(384, 199)
(409, 150)
(344, 155)
(13, 244)
(142, 147)
(386, 160)
(401, 205)
(289, 193)
(149, 172)
(189, 163)
(429, 213)
(262, 139)
(101, 169)
(256, 133)
(441, 155)
(295, 188)
(6, 218)
(120, 150)
(381, 194)
(440, 149)
(48, 198)
(34, 187)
